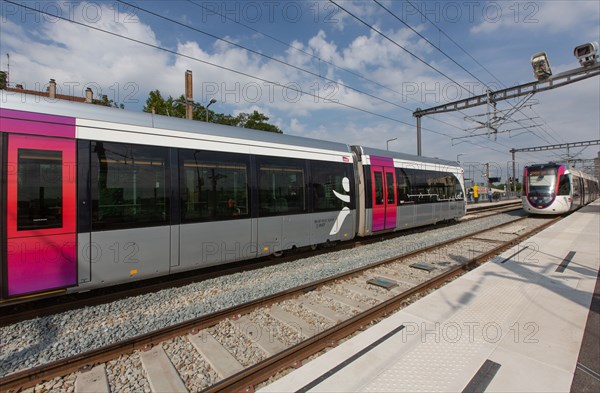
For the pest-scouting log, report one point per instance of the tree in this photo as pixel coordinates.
(257, 121)
(157, 104)
(176, 108)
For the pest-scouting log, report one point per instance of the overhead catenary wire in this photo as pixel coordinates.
(413, 55)
(283, 62)
(296, 48)
(399, 46)
(441, 51)
(454, 42)
(307, 71)
(430, 43)
(317, 75)
(278, 84)
(271, 58)
(174, 52)
(312, 74)
(356, 74)
(287, 64)
(477, 62)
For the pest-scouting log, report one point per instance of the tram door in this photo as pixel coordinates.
(40, 219)
(384, 194)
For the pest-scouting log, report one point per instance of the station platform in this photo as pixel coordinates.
(515, 324)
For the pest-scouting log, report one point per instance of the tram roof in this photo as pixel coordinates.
(369, 151)
(31, 103)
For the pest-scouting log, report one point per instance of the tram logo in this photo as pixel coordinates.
(339, 221)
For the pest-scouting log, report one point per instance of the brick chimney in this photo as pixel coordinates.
(89, 95)
(52, 89)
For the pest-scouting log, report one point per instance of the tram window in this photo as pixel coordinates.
(420, 193)
(424, 186)
(564, 186)
(378, 188)
(576, 187)
(446, 186)
(403, 185)
(39, 189)
(281, 188)
(129, 185)
(327, 177)
(389, 178)
(214, 186)
(437, 182)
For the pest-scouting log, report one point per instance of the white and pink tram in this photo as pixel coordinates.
(556, 189)
(94, 196)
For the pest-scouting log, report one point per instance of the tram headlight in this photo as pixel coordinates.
(541, 66)
(587, 54)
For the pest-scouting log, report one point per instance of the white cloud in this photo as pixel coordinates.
(543, 16)
(77, 56)
(296, 127)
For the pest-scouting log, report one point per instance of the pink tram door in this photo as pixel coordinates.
(384, 193)
(40, 219)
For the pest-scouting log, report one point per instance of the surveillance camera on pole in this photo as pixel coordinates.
(541, 66)
(587, 54)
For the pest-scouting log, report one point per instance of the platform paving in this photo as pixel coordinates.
(587, 373)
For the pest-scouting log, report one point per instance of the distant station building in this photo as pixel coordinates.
(50, 92)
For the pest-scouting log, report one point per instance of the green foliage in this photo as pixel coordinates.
(176, 108)
(257, 121)
(3, 78)
(104, 101)
(155, 102)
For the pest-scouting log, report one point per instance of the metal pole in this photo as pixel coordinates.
(212, 101)
(488, 123)
(514, 181)
(387, 143)
(418, 135)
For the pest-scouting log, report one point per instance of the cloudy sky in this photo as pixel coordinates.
(350, 71)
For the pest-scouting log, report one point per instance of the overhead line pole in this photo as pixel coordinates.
(559, 80)
(563, 79)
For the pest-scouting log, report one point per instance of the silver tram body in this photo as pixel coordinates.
(95, 196)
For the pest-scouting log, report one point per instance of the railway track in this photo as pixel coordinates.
(239, 348)
(59, 302)
(483, 209)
